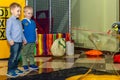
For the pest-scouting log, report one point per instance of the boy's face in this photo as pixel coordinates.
(16, 12)
(28, 13)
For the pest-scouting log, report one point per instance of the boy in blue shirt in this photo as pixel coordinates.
(15, 37)
(30, 33)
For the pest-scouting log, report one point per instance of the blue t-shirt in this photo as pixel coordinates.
(29, 27)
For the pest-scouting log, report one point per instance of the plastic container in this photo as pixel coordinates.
(69, 48)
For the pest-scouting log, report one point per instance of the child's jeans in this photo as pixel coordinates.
(14, 56)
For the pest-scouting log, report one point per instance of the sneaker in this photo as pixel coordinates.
(12, 74)
(26, 68)
(33, 67)
(18, 71)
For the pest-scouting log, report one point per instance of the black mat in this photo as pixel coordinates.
(59, 75)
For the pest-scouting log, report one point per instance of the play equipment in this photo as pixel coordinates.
(45, 42)
(116, 27)
(43, 22)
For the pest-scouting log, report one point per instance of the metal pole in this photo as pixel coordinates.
(70, 19)
(69, 16)
(26, 2)
(50, 16)
(34, 4)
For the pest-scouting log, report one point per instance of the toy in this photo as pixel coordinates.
(116, 27)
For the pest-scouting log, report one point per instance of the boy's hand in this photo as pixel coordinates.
(36, 41)
(11, 42)
(24, 42)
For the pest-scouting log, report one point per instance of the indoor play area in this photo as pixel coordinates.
(77, 40)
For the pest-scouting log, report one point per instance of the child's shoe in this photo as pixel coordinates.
(33, 67)
(25, 68)
(12, 74)
(18, 71)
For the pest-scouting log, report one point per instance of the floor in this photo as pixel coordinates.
(49, 64)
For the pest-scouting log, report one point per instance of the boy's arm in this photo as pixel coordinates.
(24, 40)
(36, 32)
(36, 36)
(8, 30)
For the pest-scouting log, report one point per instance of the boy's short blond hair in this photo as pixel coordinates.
(14, 5)
(27, 8)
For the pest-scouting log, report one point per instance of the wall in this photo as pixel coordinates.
(94, 18)
(4, 15)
